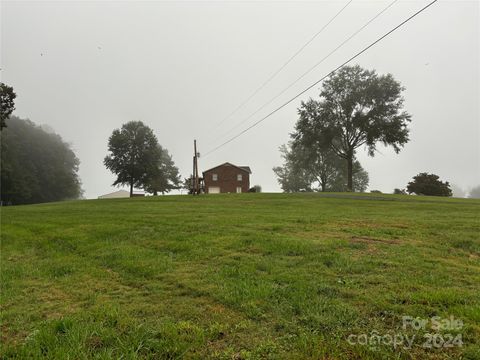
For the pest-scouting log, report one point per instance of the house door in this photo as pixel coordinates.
(239, 189)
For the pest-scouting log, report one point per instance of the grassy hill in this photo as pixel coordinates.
(239, 277)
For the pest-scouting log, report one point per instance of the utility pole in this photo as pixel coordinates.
(193, 177)
(196, 185)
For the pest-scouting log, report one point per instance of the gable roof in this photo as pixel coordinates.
(243, 168)
(119, 193)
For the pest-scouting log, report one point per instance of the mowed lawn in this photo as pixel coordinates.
(240, 276)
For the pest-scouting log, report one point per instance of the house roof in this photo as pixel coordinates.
(118, 193)
(244, 168)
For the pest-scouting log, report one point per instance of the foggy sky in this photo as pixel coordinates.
(85, 68)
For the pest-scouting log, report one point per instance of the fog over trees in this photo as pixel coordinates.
(7, 103)
(457, 191)
(37, 166)
(316, 170)
(170, 78)
(474, 193)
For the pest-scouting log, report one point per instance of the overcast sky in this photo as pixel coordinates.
(85, 68)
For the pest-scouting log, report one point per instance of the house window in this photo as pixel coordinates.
(239, 177)
(239, 189)
(214, 177)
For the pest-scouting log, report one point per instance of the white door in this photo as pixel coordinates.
(213, 190)
(239, 189)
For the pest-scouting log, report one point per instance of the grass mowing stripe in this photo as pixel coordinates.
(236, 276)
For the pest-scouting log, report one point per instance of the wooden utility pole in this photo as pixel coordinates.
(193, 177)
(196, 185)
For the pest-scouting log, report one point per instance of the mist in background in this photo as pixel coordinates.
(85, 68)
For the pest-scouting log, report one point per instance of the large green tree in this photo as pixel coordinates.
(165, 176)
(357, 107)
(37, 165)
(134, 155)
(360, 179)
(307, 169)
(7, 103)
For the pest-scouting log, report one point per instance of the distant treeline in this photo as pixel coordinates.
(36, 165)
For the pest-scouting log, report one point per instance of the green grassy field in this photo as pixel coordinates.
(247, 276)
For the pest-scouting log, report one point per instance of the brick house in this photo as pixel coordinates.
(227, 178)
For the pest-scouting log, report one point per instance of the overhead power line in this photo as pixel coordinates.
(308, 71)
(284, 65)
(323, 78)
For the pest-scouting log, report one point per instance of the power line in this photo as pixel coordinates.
(284, 65)
(323, 78)
(308, 71)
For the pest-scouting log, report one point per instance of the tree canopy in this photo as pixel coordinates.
(165, 176)
(37, 166)
(429, 184)
(7, 103)
(290, 176)
(137, 159)
(316, 170)
(357, 107)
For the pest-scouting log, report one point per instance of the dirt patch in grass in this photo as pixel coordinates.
(373, 224)
(249, 276)
(11, 336)
(369, 240)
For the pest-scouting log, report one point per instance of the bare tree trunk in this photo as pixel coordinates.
(132, 175)
(350, 172)
(323, 184)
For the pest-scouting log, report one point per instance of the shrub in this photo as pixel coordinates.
(429, 184)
